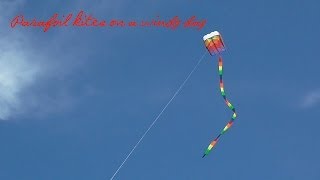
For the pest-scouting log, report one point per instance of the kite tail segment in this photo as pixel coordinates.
(230, 123)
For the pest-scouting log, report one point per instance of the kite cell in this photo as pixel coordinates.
(215, 46)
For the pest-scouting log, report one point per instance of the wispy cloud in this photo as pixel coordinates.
(35, 71)
(17, 72)
(311, 99)
(25, 66)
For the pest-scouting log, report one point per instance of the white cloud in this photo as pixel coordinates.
(311, 99)
(25, 66)
(33, 68)
(17, 71)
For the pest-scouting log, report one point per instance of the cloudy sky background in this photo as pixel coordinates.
(74, 101)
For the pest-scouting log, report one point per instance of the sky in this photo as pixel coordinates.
(74, 101)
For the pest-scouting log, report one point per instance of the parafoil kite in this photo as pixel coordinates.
(214, 44)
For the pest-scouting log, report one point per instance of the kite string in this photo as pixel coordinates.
(156, 119)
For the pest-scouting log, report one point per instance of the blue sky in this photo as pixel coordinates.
(74, 101)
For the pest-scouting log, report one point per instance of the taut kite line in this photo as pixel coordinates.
(159, 115)
(215, 46)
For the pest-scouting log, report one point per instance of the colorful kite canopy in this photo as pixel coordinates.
(215, 45)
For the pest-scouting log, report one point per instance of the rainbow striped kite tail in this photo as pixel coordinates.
(211, 145)
(204, 155)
